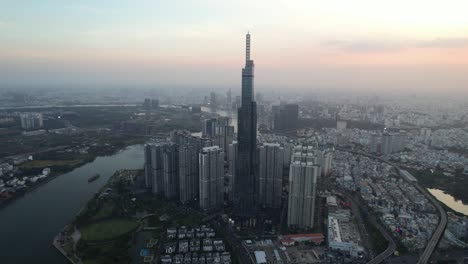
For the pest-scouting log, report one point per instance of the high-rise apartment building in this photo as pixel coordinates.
(31, 120)
(224, 137)
(270, 182)
(209, 127)
(211, 163)
(189, 147)
(303, 174)
(392, 142)
(188, 173)
(230, 177)
(161, 168)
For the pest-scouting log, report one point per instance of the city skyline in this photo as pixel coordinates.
(306, 45)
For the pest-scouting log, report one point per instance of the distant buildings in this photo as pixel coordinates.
(209, 127)
(196, 109)
(387, 143)
(303, 174)
(341, 125)
(31, 120)
(150, 103)
(211, 162)
(270, 182)
(219, 130)
(392, 142)
(223, 137)
(285, 117)
(425, 135)
(213, 100)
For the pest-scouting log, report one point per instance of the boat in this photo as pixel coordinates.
(94, 177)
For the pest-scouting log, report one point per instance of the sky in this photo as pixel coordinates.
(370, 45)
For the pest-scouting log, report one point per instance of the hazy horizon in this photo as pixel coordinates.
(415, 47)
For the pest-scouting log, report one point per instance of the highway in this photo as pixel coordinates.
(391, 243)
(439, 232)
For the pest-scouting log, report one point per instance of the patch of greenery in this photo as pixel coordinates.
(34, 164)
(105, 211)
(108, 229)
(380, 243)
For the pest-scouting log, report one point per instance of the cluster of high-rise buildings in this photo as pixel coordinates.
(31, 120)
(215, 169)
(388, 143)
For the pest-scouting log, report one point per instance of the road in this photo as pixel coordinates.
(391, 244)
(238, 247)
(439, 232)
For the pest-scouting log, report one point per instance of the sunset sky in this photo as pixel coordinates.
(367, 45)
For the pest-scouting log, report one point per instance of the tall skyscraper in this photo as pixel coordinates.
(211, 161)
(161, 168)
(270, 181)
(303, 174)
(245, 190)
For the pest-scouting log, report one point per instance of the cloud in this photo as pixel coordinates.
(371, 46)
(384, 46)
(444, 43)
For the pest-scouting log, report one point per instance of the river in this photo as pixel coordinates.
(450, 201)
(28, 225)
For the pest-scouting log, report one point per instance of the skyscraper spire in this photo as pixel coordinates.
(247, 47)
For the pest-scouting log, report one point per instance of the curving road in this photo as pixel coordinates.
(391, 245)
(439, 232)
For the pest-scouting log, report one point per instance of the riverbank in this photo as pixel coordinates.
(58, 243)
(105, 224)
(451, 190)
(62, 163)
(46, 210)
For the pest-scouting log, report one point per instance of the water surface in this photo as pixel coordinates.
(28, 225)
(450, 201)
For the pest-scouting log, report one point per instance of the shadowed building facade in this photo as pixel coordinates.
(245, 178)
(270, 181)
(211, 160)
